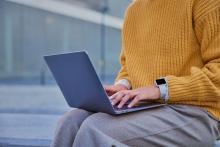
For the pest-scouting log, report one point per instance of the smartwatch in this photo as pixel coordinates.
(163, 86)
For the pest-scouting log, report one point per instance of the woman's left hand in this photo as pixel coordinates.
(135, 96)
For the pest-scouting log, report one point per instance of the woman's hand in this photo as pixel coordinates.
(112, 89)
(135, 96)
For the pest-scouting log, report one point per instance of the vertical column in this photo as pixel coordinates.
(65, 42)
(104, 10)
(8, 41)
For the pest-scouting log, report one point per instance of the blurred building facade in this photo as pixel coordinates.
(31, 29)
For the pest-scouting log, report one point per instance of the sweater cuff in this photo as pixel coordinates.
(124, 82)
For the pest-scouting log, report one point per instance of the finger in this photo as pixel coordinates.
(118, 98)
(108, 88)
(113, 96)
(117, 93)
(110, 93)
(134, 101)
(123, 101)
(126, 99)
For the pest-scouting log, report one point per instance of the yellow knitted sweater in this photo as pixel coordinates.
(177, 39)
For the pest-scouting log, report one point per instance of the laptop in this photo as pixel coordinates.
(81, 87)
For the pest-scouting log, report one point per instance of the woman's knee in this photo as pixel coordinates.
(68, 126)
(73, 119)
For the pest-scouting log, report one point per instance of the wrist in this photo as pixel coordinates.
(121, 86)
(163, 87)
(157, 92)
(124, 83)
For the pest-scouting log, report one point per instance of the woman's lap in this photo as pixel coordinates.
(176, 125)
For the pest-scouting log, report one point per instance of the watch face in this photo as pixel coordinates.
(161, 81)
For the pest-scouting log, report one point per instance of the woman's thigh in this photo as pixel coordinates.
(177, 125)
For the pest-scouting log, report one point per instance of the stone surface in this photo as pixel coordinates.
(217, 144)
(28, 114)
(32, 99)
(27, 129)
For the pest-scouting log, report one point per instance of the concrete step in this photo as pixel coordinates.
(217, 144)
(32, 99)
(27, 130)
(23, 142)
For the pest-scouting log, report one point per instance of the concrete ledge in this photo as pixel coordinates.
(19, 142)
(27, 130)
(217, 143)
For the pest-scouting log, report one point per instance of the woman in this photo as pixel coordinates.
(178, 40)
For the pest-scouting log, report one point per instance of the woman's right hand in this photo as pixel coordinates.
(112, 89)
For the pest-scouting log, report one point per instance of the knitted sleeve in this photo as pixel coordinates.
(123, 74)
(202, 86)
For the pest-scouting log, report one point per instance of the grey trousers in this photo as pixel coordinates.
(168, 126)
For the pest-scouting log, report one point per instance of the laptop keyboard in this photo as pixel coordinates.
(125, 107)
(137, 107)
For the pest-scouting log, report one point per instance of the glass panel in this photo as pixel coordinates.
(30, 33)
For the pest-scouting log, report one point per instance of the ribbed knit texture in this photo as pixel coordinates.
(177, 39)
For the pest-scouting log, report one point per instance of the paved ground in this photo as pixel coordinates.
(28, 114)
